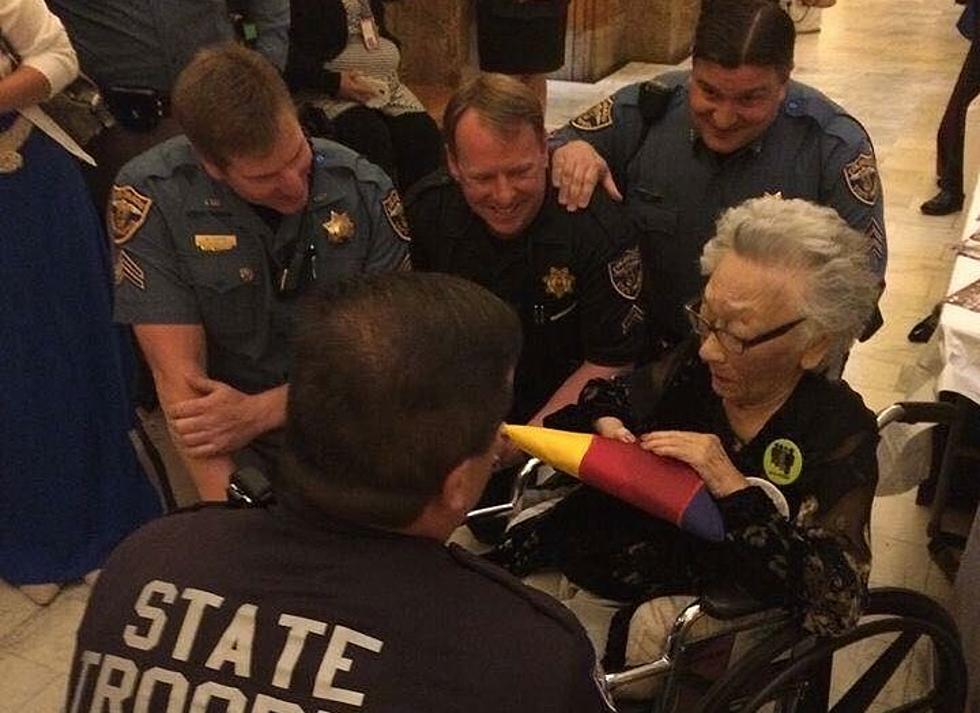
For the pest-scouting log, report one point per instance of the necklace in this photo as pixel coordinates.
(10, 141)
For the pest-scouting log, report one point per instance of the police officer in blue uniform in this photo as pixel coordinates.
(685, 146)
(575, 278)
(134, 50)
(218, 232)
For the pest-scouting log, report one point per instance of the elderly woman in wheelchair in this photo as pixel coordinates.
(789, 290)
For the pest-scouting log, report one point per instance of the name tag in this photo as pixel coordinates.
(215, 243)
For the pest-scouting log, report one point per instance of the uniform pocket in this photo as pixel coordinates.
(227, 288)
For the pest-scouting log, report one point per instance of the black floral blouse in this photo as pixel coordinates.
(818, 448)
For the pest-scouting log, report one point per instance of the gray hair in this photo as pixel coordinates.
(841, 289)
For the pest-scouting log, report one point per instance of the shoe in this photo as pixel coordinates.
(40, 594)
(943, 203)
(923, 329)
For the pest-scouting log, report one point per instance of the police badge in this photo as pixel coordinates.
(339, 229)
(128, 210)
(861, 177)
(626, 274)
(395, 213)
(559, 282)
(595, 117)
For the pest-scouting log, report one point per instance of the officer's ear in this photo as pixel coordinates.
(212, 169)
(451, 164)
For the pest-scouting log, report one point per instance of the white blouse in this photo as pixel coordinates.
(38, 36)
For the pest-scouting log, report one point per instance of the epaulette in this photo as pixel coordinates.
(161, 161)
(804, 101)
(653, 99)
(611, 216)
(436, 179)
(330, 155)
(540, 601)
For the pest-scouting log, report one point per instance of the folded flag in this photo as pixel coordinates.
(663, 487)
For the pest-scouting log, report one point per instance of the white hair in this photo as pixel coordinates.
(841, 289)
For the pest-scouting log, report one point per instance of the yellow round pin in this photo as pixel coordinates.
(782, 461)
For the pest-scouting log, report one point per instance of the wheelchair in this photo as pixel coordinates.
(755, 658)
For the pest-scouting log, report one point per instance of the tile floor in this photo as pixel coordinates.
(892, 63)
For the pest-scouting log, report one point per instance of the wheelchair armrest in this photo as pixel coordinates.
(917, 412)
(726, 602)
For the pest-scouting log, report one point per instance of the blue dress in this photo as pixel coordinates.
(70, 484)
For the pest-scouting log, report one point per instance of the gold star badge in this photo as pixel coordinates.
(559, 282)
(339, 229)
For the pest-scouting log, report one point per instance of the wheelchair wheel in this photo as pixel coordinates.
(902, 635)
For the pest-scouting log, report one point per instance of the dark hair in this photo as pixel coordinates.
(230, 101)
(503, 102)
(736, 32)
(396, 380)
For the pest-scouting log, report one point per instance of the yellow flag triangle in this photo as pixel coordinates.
(563, 450)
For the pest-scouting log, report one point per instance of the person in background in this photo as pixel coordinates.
(343, 65)
(341, 594)
(217, 233)
(523, 38)
(72, 486)
(952, 129)
(134, 50)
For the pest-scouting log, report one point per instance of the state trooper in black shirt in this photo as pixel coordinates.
(574, 278)
(341, 595)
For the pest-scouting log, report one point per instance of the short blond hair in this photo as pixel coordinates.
(229, 101)
(504, 103)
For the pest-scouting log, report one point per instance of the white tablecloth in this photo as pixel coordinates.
(960, 344)
(960, 327)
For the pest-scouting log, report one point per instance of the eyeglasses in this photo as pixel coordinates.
(728, 341)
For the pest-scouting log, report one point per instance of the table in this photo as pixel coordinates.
(960, 346)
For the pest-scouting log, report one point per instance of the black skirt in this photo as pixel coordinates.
(521, 38)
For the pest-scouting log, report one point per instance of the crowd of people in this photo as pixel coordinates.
(363, 354)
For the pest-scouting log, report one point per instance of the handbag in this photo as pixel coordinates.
(78, 109)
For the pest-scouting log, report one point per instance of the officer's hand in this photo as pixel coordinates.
(355, 86)
(576, 168)
(612, 427)
(701, 451)
(508, 456)
(218, 422)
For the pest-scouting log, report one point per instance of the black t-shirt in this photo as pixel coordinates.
(575, 279)
(280, 606)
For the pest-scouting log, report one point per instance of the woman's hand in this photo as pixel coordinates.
(612, 427)
(701, 451)
(355, 86)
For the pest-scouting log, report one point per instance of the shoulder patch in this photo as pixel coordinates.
(599, 116)
(395, 213)
(861, 177)
(128, 210)
(626, 274)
